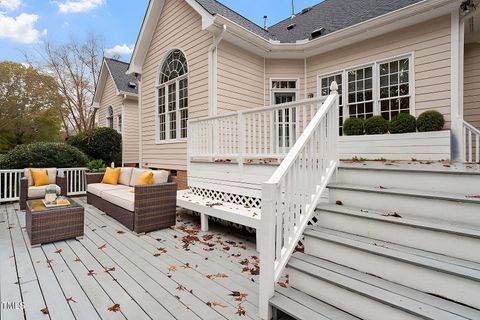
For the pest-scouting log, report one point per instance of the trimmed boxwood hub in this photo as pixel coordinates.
(402, 123)
(376, 125)
(430, 121)
(353, 126)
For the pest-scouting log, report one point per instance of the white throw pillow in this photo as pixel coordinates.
(160, 176)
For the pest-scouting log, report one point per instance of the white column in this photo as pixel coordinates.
(456, 85)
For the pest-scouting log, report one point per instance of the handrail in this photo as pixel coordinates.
(261, 109)
(290, 196)
(471, 143)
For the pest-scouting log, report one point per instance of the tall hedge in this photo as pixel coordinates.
(43, 155)
(100, 143)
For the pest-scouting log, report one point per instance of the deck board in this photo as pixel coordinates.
(145, 285)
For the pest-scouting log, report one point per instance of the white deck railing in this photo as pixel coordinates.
(471, 143)
(267, 132)
(290, 197)
(10, 182)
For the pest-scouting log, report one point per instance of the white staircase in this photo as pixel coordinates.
(393, 243)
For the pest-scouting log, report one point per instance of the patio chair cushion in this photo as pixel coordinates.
(39, 192)
(98, 188)
(51, 172)
(159, 176)
(122, 198)
(125, 176)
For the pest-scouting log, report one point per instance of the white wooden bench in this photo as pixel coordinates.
(207, 207)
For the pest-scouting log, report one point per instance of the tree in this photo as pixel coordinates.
(75, 66)
(29, 110)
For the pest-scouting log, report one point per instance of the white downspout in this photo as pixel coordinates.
(212, 73)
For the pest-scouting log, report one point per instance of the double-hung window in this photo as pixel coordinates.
(379, 88)
(172, 98)
(285, 91)
(110, 117)
(119, 123)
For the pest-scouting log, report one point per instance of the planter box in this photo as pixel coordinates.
(418, 145)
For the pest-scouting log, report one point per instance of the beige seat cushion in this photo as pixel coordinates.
(39, 192)
(159, 176)
(125, 176)
(98, 188)
(123, 198)
(51, 172)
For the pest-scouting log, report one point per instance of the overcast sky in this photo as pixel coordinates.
(25, 24)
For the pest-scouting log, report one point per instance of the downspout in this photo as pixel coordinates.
(212, 72)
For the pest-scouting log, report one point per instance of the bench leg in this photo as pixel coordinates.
(204, 222)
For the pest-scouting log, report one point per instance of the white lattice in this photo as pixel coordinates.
(246, 201)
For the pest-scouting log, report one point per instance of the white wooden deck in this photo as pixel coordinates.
(179, 273)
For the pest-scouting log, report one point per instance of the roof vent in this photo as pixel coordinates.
(132, 84)
(306, 10)
(317, 33)
(291, 26)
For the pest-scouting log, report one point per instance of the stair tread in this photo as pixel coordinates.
(303, 306)
(409, 192)
(409, 221)
(455, 266)
(384, 291)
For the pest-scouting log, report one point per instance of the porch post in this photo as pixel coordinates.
(456, 85)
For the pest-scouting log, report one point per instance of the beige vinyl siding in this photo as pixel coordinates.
(428, 41)
(179, 27)
(109, 98)
(130, 131)
(472, 84)
(239, 79)
(284, 69)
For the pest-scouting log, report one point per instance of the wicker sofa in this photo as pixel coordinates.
(29, 192)
(140, 208)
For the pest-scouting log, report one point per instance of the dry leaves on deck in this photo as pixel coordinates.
(240, 311)
(114, 308)
(218, 275)
(44, 310)
(71, 300)
(214, 303)
(238, 296)
(120, 231)
(103, 246)
(172, 268)
(58, 251)
(392, 214)
(107, 269)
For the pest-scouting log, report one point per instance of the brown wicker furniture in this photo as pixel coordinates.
(29, 192)
(46, 225)
(147, 208)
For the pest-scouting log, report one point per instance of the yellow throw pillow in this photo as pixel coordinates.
(145, 178)
(111, 176)
(39, 177)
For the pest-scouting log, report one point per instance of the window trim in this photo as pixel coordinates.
(119, 127)
(284, 90)
(375, 83)
(159, 85)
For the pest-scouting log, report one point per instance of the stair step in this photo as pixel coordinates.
(302, 306)
(452, 278)
(461, 209)
(367, 296)
(437, 237)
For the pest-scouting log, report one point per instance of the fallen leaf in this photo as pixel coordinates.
(77, 259)
(282, 284)
(107, 269)
(44, 310)
(71, 300)
(214, 303)
(218, 275)
(381, 187)
(392, 214)
(114, 308)
(339, 203)
(186, 265)
(180, 288)
(240, 311)
(103, 246)
(473, 197)
(238, 296)
(120, 231)
(58, 251)
(172, 268)
(91, 273)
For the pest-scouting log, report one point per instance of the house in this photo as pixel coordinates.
(249, 119)
(116, 100)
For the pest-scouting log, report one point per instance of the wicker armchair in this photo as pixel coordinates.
(60, 181)
(154, 205)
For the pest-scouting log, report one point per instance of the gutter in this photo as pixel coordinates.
(212, 72)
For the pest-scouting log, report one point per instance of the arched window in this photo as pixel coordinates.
(172, 94)
(110, 117)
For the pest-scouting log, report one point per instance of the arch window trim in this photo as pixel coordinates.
(171, 106)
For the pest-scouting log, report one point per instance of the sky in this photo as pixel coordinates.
(26, 24)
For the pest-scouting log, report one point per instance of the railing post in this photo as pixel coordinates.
(241, 138)
(267, 250)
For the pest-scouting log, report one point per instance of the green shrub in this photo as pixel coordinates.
(430, 121)
(353, 126)
(402, 123)
(43, 155)
(376, 125)
(100, 143)
(96, 166)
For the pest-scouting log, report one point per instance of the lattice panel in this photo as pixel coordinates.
(246, 201)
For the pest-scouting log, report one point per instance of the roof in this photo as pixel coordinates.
(214, 7)
(118, 71)
(334, 15)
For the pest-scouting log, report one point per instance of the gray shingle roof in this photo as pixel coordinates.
(118, 70)
(334, 15)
